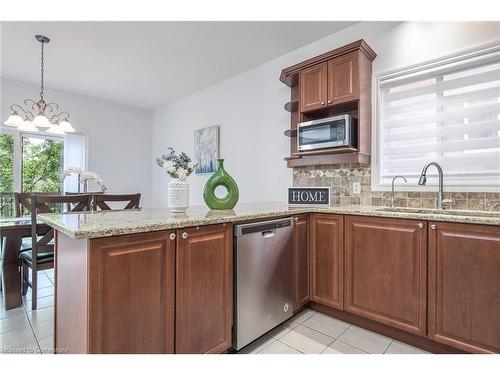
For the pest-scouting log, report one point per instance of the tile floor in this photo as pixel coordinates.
(314, 333)
(25, 331)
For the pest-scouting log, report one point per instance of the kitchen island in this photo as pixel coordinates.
(150, 281)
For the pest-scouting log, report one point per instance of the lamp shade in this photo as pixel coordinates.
(41, 121)
(27, 126)
(14, 120)
(55, 129)
(66, 126)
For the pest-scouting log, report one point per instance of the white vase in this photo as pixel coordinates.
(178, 195)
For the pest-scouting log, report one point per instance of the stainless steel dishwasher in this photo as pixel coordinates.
(264, 284)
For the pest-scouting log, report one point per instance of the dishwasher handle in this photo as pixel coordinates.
(268, 233)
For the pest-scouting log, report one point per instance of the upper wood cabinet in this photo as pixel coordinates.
(343, 80)
(301, 260)
(335, 83)
(386, 271)
(464, 286)
(327, 259)
(313, 87)
(204, 289)
(131, 294)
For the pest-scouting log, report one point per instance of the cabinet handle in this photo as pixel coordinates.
(433, 226)
(420, 225)
(322, 103)
(172, 236)
(184, 235)
(296, 218)
(329, 102)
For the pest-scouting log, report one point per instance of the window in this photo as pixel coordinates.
(35, 162)
(6, 174)
(42, 163)
(446, 111)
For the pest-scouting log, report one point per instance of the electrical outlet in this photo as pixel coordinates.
(356, 187)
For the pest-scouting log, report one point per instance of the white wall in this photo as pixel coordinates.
(118, 136)
(249, 106)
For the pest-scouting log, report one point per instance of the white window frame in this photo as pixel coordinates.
(376, 185)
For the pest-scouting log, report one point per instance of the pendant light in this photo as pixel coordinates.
(25, 120)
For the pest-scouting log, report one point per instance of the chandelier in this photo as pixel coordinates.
(47, 114)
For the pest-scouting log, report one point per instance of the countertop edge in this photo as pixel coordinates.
(373, 211)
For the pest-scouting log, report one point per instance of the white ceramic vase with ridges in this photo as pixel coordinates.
(178, 195)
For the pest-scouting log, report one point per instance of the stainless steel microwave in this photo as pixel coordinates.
(331, 132)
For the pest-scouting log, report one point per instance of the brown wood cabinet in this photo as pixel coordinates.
(327, 259)
(386, 271)
(131, 294)
(335, 83)
(313, 87)
(343, 80)
(204, 289)
(464, 286)
(301, 261)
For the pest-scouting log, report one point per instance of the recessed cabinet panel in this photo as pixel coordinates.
(343, 81)
(132, 294)
(327, 259)
(313, 87)
(301, 260)
(204, 271)
(386, 263)
(464, 286)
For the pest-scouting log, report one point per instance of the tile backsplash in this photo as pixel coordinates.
(341, 177)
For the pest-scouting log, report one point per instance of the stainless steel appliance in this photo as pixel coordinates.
(264, 284)
(330, 132)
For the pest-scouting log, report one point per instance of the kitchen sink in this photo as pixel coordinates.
(441, 212)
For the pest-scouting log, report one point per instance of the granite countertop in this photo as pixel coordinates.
(86, 225)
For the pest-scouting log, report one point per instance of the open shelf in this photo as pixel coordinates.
(301, 160)
(292, 106)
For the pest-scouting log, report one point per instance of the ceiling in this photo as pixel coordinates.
(148, 64)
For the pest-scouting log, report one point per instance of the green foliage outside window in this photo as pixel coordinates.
(6, 163)
(42, 164)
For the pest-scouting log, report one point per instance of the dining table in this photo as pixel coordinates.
(12, 231)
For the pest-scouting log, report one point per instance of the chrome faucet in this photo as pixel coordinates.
(393, 180)
(423, 180)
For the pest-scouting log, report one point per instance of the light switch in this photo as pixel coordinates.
(356, 187)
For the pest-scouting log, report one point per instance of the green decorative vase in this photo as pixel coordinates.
(221, 178)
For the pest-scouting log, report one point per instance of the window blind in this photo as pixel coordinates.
(447, 112)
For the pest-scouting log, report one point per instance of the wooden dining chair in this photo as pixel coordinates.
(101, 201)
(22, 201)
(22, 205)
(41, 255)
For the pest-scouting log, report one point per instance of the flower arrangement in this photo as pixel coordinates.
(84, 177)
(177, 166)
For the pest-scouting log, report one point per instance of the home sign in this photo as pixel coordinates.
(309, 196)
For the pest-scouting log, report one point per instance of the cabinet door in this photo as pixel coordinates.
(343, 81)
(131, 298)
(386, 264)
(313, 87)
(204, 271)
(464, 286)
(327, 259)
(301, 260)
